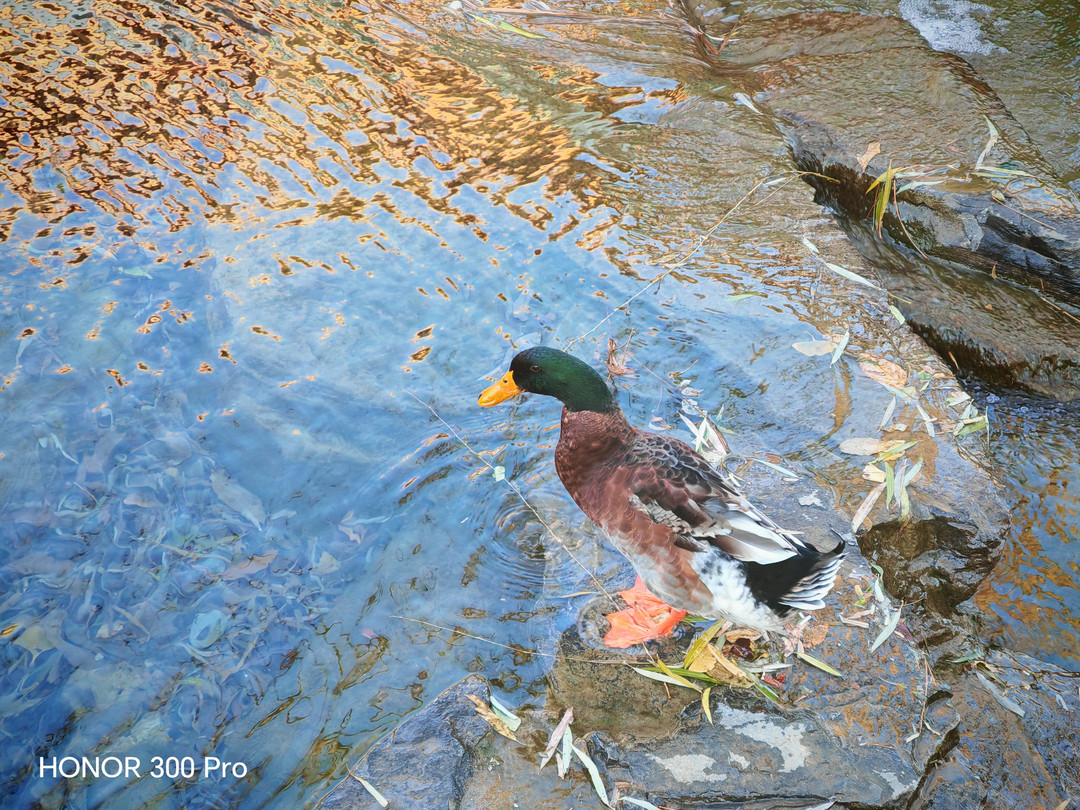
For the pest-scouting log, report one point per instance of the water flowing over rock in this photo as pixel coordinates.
(981, 229)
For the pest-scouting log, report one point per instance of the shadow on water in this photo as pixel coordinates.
(234, 242)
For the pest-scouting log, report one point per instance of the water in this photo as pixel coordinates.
(244, 250)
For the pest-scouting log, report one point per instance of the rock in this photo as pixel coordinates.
(998, 758)
(426, 761)
(794, 754)
(994, 246)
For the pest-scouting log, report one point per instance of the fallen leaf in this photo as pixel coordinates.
(492, 719)
(839, 350)
(874, 473)
(812, 636)
(1006, 702)
(618, 358)
(887, 630)
(370, 788)
(237, 498)
(557, 735)
(862, 446)
(512, 720)
(817, 662)
(864, 509)
(250, 566)
(713, 663)
(883, 371)
(698, 645)
(873, 149)
(814, 348)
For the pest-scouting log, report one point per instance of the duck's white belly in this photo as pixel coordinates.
(732, 598)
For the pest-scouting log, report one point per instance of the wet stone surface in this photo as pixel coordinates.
(955, 225)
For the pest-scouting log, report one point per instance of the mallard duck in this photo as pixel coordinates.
(694, 540)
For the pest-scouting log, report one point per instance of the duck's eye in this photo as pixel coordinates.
(534, 368)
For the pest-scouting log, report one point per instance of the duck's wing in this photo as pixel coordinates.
(674, 486)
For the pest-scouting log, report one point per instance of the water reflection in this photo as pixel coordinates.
(1032, 602)
(232, 242)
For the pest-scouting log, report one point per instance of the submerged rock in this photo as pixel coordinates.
(983, 233)
(1016, 742)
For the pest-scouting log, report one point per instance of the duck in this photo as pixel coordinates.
(697, 544)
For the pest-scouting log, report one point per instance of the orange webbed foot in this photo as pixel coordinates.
(646, 618)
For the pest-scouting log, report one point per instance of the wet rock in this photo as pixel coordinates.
(934, 560)
(844, 81)
(995, 249)
(426, 761)
(1016, 742)
(846, 738)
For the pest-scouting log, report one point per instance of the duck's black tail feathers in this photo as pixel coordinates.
(800, 582)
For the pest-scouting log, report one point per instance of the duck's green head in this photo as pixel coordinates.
(542, 370)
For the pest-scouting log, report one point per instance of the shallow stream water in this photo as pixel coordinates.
(257, 263)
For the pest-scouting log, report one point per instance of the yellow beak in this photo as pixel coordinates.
(500, 391)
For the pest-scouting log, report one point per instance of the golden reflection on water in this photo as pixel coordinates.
(144, 110)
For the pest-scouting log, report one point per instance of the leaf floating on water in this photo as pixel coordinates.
(498, 472)
(594, 775)
(909, 476)
(817, 662)
(557, 736)
(957, 398)
(744, 99)
(492, 719)
(521, 32)
(894, 449)
(327, 564)
(888, 413)
(918, 184)
(897, 314)
(370, 788)
(512, 720)
(744, 296)
(926, 419)
(1007, 703)
(989, 143)
(814, 348)
(873, 473)
(777, 467)
(705, 696)
(839, 351)
(890, 627)
(973, 425)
